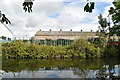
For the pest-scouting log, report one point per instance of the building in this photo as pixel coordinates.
(5, 34)
(42, 36)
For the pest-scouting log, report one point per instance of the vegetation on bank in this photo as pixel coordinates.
(78, 49)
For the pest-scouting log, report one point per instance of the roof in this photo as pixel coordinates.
(64, 33)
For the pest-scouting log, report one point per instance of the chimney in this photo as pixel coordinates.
(81, 30)
(50, 29)
(60, 29)
(40, 30)
(70, 29)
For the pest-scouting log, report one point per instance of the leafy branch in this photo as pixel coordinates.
(3, 18)
(27, 5)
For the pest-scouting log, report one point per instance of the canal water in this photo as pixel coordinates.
(62, 68)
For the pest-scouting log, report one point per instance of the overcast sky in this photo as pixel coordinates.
(53, 14)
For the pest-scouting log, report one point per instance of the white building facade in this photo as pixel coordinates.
(5, 34)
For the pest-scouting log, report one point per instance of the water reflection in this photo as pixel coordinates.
(65, 68)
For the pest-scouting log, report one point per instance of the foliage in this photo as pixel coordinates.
(89, 7)
(78, 49)
(103, 23)
(115, 30)
(4, 18)
(84, 49)
(27, 5)
(112, 51)
(100, 41)
(21, 49)
(115, 13)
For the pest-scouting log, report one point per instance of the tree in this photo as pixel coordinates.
(115, 30)
(103, 23)
(115, 13)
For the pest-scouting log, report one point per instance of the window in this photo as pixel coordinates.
(9, 39)
(3, 37)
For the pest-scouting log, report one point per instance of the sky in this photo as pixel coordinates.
(53, 14)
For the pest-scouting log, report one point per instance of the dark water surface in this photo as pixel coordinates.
(65, 68)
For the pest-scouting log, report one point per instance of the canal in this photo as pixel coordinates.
(61, 68)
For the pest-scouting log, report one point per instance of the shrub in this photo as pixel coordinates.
(112, 51)
(78, 49)
(83, 49)
(21, 49)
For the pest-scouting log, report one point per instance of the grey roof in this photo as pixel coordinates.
(64, 33)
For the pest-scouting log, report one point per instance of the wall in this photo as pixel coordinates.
(61, 37)
(4, 31)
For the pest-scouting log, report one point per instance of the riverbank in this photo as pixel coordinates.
(78, 49)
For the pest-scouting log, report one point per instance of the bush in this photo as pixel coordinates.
(21, 49)
(112, 51)
(78, 49)
(83, 49)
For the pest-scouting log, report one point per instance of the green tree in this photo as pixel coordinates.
(115, 13)
(103, 23)
(115, 30)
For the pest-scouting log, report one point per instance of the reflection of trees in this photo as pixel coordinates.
(80, 68)
(34, 65)
(108, 71)
(81, 72)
